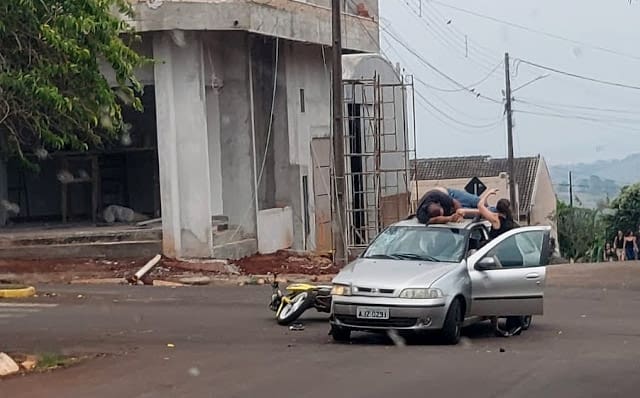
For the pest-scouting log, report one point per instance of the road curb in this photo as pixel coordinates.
(17, 291)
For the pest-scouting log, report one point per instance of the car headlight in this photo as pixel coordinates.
(421, 293)
(341, 290)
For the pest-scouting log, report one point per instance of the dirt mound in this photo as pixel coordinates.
(284, 262)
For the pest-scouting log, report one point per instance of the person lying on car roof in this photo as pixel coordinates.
(443, 205)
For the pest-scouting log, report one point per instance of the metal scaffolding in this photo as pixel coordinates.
(377, 152)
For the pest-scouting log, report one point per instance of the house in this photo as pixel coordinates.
(233, 149)
(534, 189)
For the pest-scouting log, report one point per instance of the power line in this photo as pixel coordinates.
(591, 79)
(417, 79)
(601, 117)
(456, 129)
(536, 31)
(487, 52)
(466, 87)
(608, 123)
(445, 38)
(435, 69)
(533, 101)
(447, 104)
(477, 126)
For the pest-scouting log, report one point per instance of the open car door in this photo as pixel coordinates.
(508, 274)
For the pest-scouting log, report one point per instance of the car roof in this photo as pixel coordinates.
(464, 224)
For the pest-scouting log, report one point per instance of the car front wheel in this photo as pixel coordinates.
(452, 329)
(340, 334)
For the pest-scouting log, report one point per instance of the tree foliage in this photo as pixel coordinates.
(625, 210)
(580, 232)
(53, 95)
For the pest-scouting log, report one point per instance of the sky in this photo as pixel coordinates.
(570, 120)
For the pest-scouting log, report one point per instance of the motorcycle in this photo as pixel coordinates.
(299, 298)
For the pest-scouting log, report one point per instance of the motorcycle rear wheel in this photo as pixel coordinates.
(297, 305)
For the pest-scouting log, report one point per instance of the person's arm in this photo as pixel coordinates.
(484, 211)
(467, 212)
(444, 219)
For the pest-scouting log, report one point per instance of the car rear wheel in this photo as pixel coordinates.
(452, 329)
(340, 334)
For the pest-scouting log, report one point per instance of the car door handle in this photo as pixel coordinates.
(533, 275)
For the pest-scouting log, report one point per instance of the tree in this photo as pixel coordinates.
(581, 232)
(53, 95)
(625, 210)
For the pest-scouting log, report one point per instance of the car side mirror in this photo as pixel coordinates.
(485, 263)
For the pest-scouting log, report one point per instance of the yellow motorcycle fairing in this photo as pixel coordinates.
(300, 287)
(294, 288)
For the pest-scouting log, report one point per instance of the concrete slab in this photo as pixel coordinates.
(7, 365)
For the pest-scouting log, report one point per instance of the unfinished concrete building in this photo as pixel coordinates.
(233, 149)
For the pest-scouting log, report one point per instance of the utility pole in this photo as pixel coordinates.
(570, 190)
(510, 161)
(339, 205)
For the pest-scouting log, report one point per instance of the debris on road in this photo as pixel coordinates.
(195, 372)
(30, 363)
(232, 269)
(502, 350)
(7, 365)
(195, 280)
(158, 282)
(145, 269)
(296, 327)
(171, 345)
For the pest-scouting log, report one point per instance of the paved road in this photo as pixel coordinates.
(226, 345)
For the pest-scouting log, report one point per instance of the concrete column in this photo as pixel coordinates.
(183, 144)
(235, 134)
(214, 64)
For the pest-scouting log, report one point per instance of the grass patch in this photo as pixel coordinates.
(50, 361)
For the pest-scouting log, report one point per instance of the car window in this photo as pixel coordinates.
(520, 250)
(419, 243)
(477, 239)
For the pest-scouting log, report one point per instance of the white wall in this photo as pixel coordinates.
(275, 230)
(544, 199)
(306, 69)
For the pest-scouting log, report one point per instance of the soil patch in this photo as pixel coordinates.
(284, 262)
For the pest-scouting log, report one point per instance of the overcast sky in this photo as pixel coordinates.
(475, 129)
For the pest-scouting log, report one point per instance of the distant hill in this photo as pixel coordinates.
(622, 171)
(597, 181)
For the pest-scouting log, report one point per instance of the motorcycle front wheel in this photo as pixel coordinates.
(295, 307)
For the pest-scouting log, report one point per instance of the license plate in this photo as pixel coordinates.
(372, 313)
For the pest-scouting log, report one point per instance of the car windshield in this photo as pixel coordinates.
(418, 243)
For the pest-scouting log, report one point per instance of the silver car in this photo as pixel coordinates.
(441, 278)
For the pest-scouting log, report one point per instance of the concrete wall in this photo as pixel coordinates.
(275, 230)
(292, 20)
(183, 145)
(237, 163)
